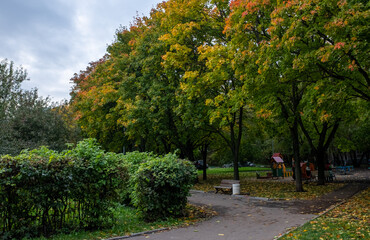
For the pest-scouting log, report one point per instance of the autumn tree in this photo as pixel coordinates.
(298, 51)
(130, 90)
(200, 55)
(326, 45)
(93, 100)
(272, 91)
(148, 93)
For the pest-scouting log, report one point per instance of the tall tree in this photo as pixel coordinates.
(266, 71)
(27, 120)
(325, 45)
(10, 88)
(36, 122)
(142, 94)
(199, 54)
(93, 99)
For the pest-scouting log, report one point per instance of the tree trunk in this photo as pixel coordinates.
(320, 159)
(189, 150)
(294, 133)
(235, 142)
(204, 156)
(236, 165)
(297, 158)
(356, 162)
(324, 141)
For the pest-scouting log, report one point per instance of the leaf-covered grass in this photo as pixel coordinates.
(231, 170)
(129, 222)
(275, 189)
(347, 221)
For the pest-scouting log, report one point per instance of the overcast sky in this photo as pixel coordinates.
(53, 39)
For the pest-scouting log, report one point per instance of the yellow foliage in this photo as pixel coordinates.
(325, 116)
(209, 102)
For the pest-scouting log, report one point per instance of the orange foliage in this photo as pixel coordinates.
(339, 45)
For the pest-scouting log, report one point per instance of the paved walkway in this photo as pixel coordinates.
(239, 217)
(243, 217)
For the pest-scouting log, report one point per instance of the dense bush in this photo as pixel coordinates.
(162, 186)
(43, 192)
(132, 161)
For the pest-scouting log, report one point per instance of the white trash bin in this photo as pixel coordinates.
(236, 189)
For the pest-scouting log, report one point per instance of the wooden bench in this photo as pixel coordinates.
(226, 185)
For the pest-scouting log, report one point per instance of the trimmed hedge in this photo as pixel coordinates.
(43, 192)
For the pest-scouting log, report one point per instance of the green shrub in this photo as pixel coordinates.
(44, 192)
(132, 161)
(162, 186)
(98, 176)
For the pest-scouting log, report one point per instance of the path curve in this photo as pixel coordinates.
(239, 218)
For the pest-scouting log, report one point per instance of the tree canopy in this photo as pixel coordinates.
(27, 120)
(195, 69)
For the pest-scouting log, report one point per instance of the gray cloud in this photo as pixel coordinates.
(54, 39)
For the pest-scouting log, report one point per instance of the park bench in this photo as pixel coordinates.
(226, 185)
(344, 169)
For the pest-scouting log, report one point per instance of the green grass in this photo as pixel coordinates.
(231, 170)
(128, 222)
(347, 221)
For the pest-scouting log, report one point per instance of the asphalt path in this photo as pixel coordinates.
(239, 218)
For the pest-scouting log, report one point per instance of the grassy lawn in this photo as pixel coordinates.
(128, 222)
(276, 189)
(243, 170)
(350, 220)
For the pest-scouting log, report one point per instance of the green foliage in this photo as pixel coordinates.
(199, 68)
(129, 222)
(132, 161)
(44, 192)
(162, 186)
(10, 86)
(28, 121)
(93, 102)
